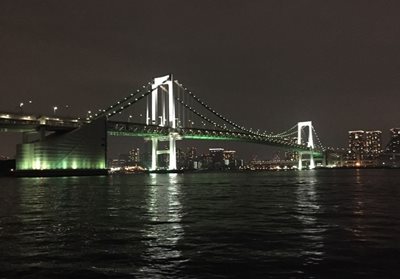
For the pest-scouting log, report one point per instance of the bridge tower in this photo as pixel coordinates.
(161, 111)
(310, 143)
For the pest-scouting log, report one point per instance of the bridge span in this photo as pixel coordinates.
(169, 112)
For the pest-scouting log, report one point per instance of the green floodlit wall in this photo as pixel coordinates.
(83, 148)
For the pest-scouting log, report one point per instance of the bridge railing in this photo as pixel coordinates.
(136, 128)
(29, 122)
(19, 121)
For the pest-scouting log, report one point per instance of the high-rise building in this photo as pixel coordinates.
(391, 155)
(356, 146)
(372, 144)
(394, 144)
(364, 147)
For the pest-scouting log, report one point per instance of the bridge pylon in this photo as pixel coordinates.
(161, 111)
(310, 144)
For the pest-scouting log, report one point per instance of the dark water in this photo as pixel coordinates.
(311, 224)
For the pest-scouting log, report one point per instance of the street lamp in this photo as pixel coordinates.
(130, 118)
(22, 104)
(55, 109)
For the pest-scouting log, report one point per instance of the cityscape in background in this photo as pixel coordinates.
(365, 150)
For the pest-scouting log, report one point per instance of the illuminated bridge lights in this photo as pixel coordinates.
(223, 128)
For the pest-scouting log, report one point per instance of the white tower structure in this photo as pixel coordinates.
(310, 143)
(162, 112)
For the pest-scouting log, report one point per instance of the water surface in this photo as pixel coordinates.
(310, 224)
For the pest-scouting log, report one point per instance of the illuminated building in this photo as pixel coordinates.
(134, 156)
(229, 157)
(372, 144)
(394, 145)
(356, 146)
(364, 147)
(262, 165)
(391, 155)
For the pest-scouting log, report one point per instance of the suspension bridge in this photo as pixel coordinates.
(165, 110)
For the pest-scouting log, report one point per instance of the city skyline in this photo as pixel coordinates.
(365, 149)
(301, 61)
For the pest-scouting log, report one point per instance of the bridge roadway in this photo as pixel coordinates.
(116, 128)
(18, 122)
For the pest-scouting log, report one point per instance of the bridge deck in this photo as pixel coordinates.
(20, 123)
(116, 128)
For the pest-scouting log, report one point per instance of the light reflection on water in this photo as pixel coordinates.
(163, 228)
(312, 224)
(358, 229)
(308, 207)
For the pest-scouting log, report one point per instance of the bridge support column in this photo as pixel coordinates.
(172, 152)
(154, 146)
(166, 99)
(312, 162)
(300, 165)
(167, 115)
(310, 143)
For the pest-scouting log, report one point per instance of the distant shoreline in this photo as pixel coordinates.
(6, 171)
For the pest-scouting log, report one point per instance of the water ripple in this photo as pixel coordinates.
(317, 224)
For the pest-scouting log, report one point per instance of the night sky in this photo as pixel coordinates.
(264, 64)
